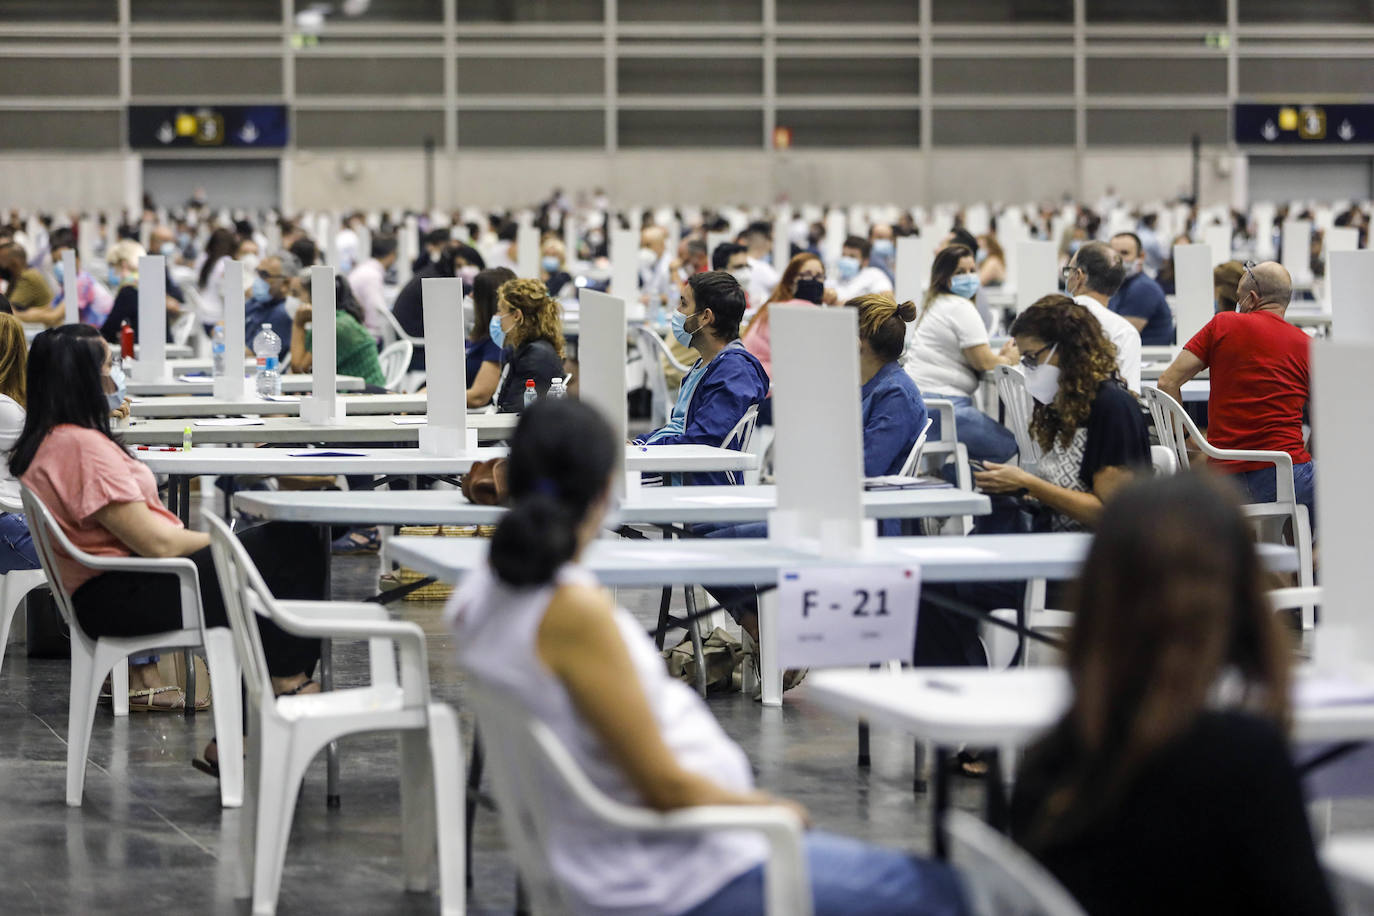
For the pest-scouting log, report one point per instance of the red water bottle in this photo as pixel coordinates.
(126, 341)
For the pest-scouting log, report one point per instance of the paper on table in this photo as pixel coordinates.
(193, 377)
(231, 421)
(410, 420)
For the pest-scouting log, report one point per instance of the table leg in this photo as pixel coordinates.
(864, 758)
(940, 803)
(332, 798)
(771, 673)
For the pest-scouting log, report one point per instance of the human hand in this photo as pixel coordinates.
(1000, 478)
(768, 799)
(1010, 353)
(121, 412)
(303, 314)
(831, 297)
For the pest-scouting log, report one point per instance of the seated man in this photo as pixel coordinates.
(856, 276)
(1093, 274)
(267, 305)
(724, 383)
(1140, 300)
(28, 290)
(1260, 382)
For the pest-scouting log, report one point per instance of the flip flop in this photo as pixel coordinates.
(346, 544)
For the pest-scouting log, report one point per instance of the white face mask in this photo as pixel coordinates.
(1042, 381)
(742, 276)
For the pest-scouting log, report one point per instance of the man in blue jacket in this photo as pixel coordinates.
(724, 383)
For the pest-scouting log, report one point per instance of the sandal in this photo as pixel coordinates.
(349, 543)
(296, 691)
(970, 764)
(142, 700)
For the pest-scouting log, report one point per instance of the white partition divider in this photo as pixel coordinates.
(1340, 238)
(782, 237)
(527, 245)
(231, 384)
(977, 219)
(151, 365)
(145, 233)
(1037, 268)
(714, 239)
(322, 406)
(570, 235)
(1120, 221)
(111, 229)
(445, 433)
(328, 239)
(407, 249)
(1193, 299)
(1345, 638)
(86, 231)
(71, 299)
(1297, 250)
(835, 227)
(601, 357)
(1263, 215)
(364, 251)
(912, 267)
(818, 466)
(1350, 277)
(272, 231)
(1218, 238)
(1011, 232)
(624, 272)
(634, 218)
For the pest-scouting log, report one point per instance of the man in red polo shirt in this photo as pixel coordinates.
(1260, 383)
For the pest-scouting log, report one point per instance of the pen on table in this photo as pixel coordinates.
(945, 686)
(156, 448)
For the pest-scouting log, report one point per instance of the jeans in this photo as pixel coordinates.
(851, 878)
(738, 600)
(984, 437)
(16, 546)
(1261, 487)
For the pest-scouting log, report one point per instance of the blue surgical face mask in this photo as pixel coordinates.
(116, 398)
(848, 267)
(260, 288)
(168, 250)
(57, 271)
(883, 248)
(965, 285)
(497, 333)
(550, 263)
(680, 333)
(114, 276)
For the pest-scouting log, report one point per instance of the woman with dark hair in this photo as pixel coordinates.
(1168, 786)
(947, 352)
(536, 625)
(1089, 427)
(106, 502)
(802, 283)
(355, 351)
(219, 249)
(483, 355)
(528, 327)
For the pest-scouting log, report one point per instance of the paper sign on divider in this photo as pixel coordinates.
(230, 385)
(151, 365)
(601, 359)
(323, 407)
(71, 297)
(446, 431)
(831, 617)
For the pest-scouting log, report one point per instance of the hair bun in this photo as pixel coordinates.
(907, 311)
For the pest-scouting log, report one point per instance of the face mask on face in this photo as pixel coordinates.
(550, 264)
(647, 258)
(965, 285)
(57, 271)
(260, 288)
(884, 248)
(168, 250)
(1042, 381)
(848, 267)
(680, 332)
(811, 290)
(468, 273)
(291, 303)
(742, 276)
(498, 333)
(114, 276)
(116, 398)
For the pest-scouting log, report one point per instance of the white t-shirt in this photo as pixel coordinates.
(1122, 333)
(934, 356)
(11, 425)
(866, 282)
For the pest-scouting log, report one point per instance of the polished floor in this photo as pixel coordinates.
(152, 838)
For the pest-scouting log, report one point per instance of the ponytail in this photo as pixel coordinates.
(537, 536)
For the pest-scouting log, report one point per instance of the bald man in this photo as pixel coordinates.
(1260, 383)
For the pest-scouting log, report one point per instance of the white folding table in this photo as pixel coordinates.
(291, 383)
(295, 431)
(355, 405)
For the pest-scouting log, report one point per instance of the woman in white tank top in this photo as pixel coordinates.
(537, 624)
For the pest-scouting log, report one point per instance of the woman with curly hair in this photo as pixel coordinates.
(1090, 429)
(528, 327)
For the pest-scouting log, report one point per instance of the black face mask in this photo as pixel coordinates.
(811, 290)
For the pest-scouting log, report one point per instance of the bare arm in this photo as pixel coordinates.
(1077, 505)
(581, 644)
(483, 388)
(1184, 367)
(48, 316)
(301, 358)
(982, 359)
(146, 534)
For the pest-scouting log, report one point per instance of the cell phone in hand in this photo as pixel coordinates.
(977, 465)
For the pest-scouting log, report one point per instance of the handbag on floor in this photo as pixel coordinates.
(723, 654)
(171, 666)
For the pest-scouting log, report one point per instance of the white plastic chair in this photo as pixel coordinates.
(1011, 390)
(948, 444)
(395, 361)
(651, 348)
(398, 331)
(287, 732)
(911, 467)
(1163, 460)
(14, 587)
(740, 437)
(95, 657)
(182, 327)
(1001, 878)
(529, 764)
(1174, 427)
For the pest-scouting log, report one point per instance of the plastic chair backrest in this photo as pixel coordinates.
(242, 586)
(1000, 878)
(399, 331)
(913, 458)
(395, 362)
(1171, 426)
(181, 328)
(740, 437)
(1011, 390)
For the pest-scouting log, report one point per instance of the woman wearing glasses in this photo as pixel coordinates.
(947, 352)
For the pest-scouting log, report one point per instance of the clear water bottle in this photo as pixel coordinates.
(217, 349)
(530, 393)
(267, 348)
(558, 388)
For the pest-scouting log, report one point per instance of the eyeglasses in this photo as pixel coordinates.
(1066, 270)
(1032, 359)
(810, 276)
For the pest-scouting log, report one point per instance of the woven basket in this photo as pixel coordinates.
(436, 591)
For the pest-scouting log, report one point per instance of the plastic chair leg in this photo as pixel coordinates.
(1302, 537)
(8, 605)
(418, 790)
(87, 673)
(119, 687)
(446, 750)
(228, 711)
(248, 817)
(276, 807)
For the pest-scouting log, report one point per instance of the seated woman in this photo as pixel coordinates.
(123, 279)
(106, 502)
(536, 625)
(355, 352)
(992, 261)
(1168, 786)
(483, 355)
(948, 351)
(553, 270)
(802, 283)
(528, 327)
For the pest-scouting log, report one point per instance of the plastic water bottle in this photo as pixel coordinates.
(557, 388)
(217, 349)
(530, 393)
(267, 347)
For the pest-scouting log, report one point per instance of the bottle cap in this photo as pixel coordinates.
(529, 383)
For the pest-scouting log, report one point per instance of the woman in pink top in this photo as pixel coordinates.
(106, 502)
(802, 283)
